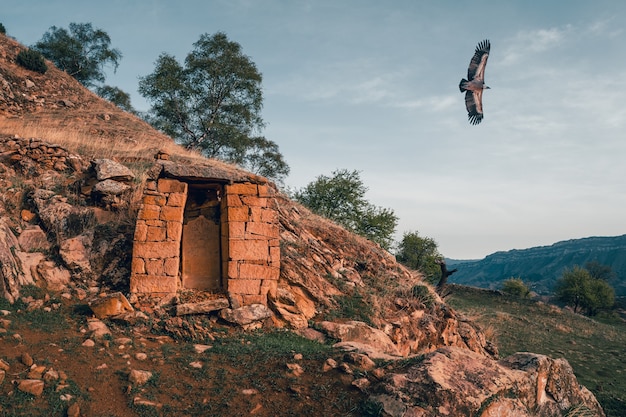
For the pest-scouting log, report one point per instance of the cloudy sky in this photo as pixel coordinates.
(372, 86)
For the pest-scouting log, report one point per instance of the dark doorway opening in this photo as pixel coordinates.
(201, 261)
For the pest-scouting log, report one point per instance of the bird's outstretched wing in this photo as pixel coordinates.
(474, 105)
(476, 69)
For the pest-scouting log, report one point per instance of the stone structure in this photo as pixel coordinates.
(196, 230)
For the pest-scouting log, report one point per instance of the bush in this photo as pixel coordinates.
(515, 287)
(2, 29)
(32, 60)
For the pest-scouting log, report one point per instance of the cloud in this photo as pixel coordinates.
(531, 42)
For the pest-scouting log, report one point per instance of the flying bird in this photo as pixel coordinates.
(475, 84)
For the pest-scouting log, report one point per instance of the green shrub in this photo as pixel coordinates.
(32, 60)
(2, 29)
(423, 294)
(515, 287)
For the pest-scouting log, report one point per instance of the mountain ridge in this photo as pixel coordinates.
(540, 267)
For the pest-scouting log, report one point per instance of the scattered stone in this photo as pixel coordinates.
(26, 359)
(345, 368)
(247, 314)
(4, 365)
(201, 348)
(101, 367)
(73, 410)
(51, 375)
(196, 364)
(249, 391)
(294, 370)
(360, 361)
(361, 383)
(146, 403)
(297, 357)
(31, 386)
(36, 372)
(141, 356)
(256, 408)
(66, 397)
(110, 305)
(5, 312)
(2, 375)
(123, 340)
(138, 377)
(89, 343)
(203, 307)
(98, 329)
(329, 364)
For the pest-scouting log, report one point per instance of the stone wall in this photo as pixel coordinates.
(249, 240)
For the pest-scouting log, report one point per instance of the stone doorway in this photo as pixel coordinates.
(201, 261)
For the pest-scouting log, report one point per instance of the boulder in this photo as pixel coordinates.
(33, 239)
(452, 381)
(31, 386)
(10, 267)
(107, 169)
(356, 335)
(246, 315)
(111, 305)
(110, 188)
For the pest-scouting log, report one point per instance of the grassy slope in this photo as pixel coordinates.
(595, 350)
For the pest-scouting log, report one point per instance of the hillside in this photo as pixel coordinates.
(540, 267)
(340, 328)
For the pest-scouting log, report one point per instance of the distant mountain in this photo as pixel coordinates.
(541, 266)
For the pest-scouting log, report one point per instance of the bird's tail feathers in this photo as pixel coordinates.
(462, 85)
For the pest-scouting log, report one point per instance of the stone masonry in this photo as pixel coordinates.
(249, 240)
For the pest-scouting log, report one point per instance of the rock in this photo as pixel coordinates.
(358, 333)
(56, 277)
(329, 364)
(73, 410)
(31, 386)
(107, 169)
(453, 381)
(110, 188)
(360, 361)
(36, 372)
(33, 239)
(75, 254)
(361, 383)
(138, 377)
(88, 343)
(111, 305)
(4, 365)
(98, 329)
(51, 375)
(2, 375)
(196, 364)
(201, 348)
(26, 359)
(146, 403)
(202, 307)
(141, 356)
(10, 268)
(294, 370)
(246, 314)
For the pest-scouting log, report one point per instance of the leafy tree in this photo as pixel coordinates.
(82, 51)
(515, 287)
(213, 104)
(580, 290)
(341, 198)
(419, 253)
(116, 96)
(600, 271)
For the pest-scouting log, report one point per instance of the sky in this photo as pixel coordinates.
(372, 86)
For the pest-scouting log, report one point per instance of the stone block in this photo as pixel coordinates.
(269, 215)
(168, 185)
(171, 214)
(265, 190)
(254, 299)
(259, 230)
(162, 250)
(234, 230)
(254, 201)
(233, 200)
(248, 250)
(242, 189)
(155, 222)
(155, 234)
(171, 266)
(149, 212)
(238, 214)
(154, 199)
(174, 230)
(154, 266)
(244, 286)
(254, 271)
(152, 284)
(141, 231)
(138, 266)
(177, 200)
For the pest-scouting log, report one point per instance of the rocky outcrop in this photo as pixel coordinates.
(457, 382)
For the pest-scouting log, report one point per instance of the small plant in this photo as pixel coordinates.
(423, 294)
(32, 60)
(2, 29)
